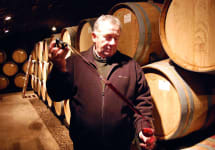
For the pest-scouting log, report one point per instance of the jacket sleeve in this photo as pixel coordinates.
(58, 85)
(143, 102)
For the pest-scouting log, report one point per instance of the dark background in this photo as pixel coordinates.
(32, 21)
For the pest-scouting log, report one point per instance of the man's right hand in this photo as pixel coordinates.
(57, 56)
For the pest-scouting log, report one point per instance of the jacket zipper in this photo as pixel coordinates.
(102, 114)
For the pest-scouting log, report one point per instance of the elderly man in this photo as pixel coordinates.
(100, 120)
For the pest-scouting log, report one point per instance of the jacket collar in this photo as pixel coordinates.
(116, 60)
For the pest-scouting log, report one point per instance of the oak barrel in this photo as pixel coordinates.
(33, 52)
(45, 52)
(32, 68)
(69, 35)
(4, 82)
(38, 87)
(10, 68)
(25, 66)
(84, 34)
(43, 90)
(47, 42)
(39, 51)
(3, 56)
(49, 101)
(19, 80)
(139, 37)
(32, 82)
(36, 79)
(46, 67)
(19, 55)
(187, 33)
(183, 100)
(40, 69)
(33, 76)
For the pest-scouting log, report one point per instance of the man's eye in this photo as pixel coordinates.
(109, 38)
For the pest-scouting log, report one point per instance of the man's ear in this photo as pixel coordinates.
(93, 37)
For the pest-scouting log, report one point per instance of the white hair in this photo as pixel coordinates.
(110, 18)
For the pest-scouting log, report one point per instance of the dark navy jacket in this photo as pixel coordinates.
(99, 118)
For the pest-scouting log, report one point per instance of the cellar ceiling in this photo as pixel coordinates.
(41, 15)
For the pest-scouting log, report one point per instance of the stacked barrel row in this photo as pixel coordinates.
(177, 57)
(40, 67)
(183, 86)
(13, 69)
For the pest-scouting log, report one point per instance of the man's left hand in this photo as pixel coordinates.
(147, 141)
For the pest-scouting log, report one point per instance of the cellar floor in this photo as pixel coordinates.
(29, 124)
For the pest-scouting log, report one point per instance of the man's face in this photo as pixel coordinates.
(106, 39)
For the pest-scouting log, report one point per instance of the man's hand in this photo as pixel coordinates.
(147, 139)
(57, 56)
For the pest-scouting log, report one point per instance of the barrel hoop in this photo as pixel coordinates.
(205, 146)
(192, 107)
(149, 35)
(211, 139)
(153, 4)
(141, 30)
(181, 95)
(162, 24)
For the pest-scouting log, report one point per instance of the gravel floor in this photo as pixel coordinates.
(54, 124)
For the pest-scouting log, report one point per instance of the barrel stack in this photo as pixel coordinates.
(13, 68)
(4, 81)
(183, 86)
